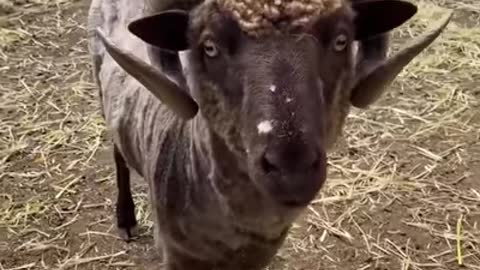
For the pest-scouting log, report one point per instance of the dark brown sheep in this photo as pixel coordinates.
(233, 140)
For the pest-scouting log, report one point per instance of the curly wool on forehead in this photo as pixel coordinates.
(259, 16)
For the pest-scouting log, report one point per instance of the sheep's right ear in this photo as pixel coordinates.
(166, 30)
(153, 79)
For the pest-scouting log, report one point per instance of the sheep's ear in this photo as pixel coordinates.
(166, 30)
(153, 79)
(375, 17)
(371, 86)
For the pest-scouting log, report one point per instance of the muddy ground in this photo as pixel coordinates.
(403, 189)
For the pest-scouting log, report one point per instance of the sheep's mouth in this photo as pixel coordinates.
(295, 203)
(261, 237)
(295, 192)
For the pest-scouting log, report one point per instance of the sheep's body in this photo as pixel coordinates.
(178, 163)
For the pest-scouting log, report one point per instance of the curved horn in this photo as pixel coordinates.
(369, 89)
(153, 80)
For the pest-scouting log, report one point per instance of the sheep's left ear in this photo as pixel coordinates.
(381, 72)
(375, 17)
(166, 30)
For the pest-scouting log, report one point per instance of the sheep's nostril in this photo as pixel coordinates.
(289, 160)
(316, 164)
(267, 166)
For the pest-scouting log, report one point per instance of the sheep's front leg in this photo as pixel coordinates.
(125, 208)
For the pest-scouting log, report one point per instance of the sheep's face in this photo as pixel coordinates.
(275, 79)
(270, 97)
(276, 94)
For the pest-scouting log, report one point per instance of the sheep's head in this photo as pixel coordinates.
(274, 79)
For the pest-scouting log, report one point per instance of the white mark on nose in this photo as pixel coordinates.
(264, 127)
(288, 100)
(273, 88)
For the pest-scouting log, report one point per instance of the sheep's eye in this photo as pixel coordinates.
(210, 48)
(340, 42)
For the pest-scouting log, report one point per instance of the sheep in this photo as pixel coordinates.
(234, 144)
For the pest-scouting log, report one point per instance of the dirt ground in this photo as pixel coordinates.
(403, 189)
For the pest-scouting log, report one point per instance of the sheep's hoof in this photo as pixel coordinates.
(126, 221)
(127, 234)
